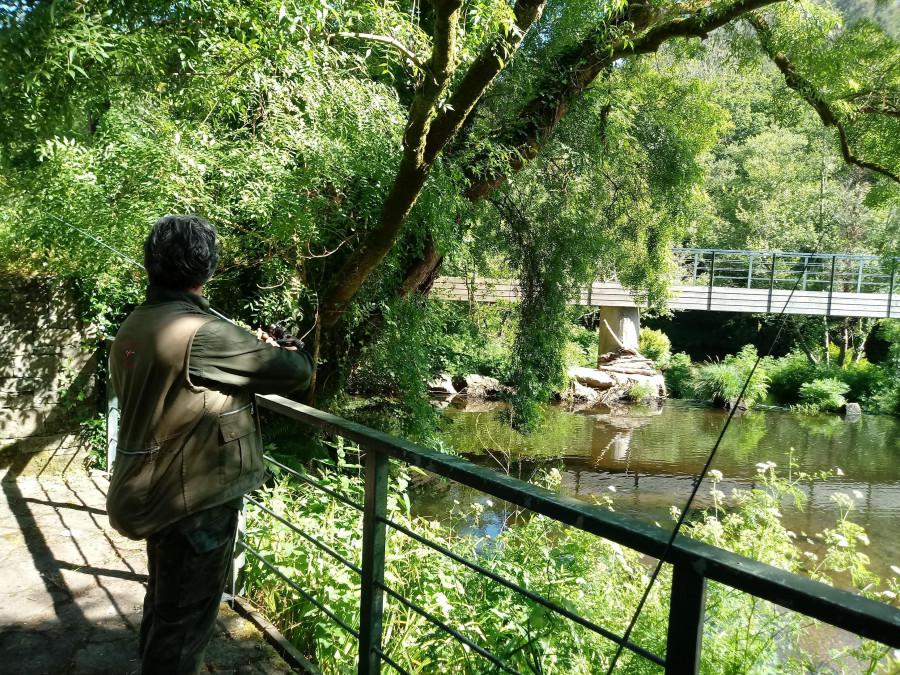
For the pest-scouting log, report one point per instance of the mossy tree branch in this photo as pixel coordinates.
(812, 95)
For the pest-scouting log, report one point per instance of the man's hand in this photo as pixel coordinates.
(269, 340)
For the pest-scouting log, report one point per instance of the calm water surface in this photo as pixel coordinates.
(646, 457)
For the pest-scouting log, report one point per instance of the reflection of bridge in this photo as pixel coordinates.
(738, 281)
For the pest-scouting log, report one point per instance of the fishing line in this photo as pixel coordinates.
(699, 480)
(212, 309)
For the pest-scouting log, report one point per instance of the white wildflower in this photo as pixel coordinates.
(792, 535)
(612, 488)
(863, 538)
(490, 503)
(715, 474)
(895, 569)
(889, 594)
(839, 472)
(858, 494)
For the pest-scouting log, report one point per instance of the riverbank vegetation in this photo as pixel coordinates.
(567, 566)
(800, 379)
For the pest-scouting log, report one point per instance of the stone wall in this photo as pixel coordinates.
(46, 350)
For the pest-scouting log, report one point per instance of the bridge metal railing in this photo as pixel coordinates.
(823, 272)
(693, 562)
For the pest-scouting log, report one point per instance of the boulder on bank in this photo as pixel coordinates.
(580, 393)
(618, 372)
(477, 386)
(442, 385)
(591, 377)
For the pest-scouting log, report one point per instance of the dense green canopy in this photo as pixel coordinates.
(347, 150)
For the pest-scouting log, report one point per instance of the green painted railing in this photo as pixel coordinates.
(693, 562)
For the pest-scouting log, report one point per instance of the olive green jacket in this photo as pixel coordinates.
(188, 439)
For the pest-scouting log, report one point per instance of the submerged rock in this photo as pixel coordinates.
(738, 403)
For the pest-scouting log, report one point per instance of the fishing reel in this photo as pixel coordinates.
(281, 336)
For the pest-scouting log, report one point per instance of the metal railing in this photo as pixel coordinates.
(824, 272)
(693, 562)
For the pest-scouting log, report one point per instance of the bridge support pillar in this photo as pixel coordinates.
(625, 322)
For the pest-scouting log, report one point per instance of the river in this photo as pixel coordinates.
(646, 457)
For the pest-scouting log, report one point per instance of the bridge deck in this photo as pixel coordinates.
(690, 297)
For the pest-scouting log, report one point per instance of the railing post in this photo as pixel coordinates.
(860, 276)
(687, 608)
(112, 414)
(712, 276)
(750, 272)
(694, 283)
(371, 597)
(891, 287)
(831, 285)
(771, 284)
(805, 271)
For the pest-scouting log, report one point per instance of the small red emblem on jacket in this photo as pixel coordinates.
(130, 351)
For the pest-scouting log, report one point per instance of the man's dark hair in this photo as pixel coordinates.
(181, 252)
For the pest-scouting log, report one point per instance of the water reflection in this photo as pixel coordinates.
(648, 456)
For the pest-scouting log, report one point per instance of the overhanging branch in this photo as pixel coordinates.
(382, 39)
(642, 29)
(812, 95)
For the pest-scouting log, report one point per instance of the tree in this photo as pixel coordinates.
(346, 148)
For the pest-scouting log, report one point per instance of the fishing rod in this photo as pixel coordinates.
(276, 330)
(699, 480)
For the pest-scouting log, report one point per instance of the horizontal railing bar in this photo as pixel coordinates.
(297, 474)
(782, 254)
(448, 629)
(840, 608)
(388, 660)
(549, 604)
(324, 547)
(331, 615)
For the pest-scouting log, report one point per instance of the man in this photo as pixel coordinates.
(188, 447)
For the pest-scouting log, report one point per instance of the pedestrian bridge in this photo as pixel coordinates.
(716, 280)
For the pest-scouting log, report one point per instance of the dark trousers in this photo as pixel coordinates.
(188, 564)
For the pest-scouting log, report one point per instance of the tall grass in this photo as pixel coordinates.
(723, 381)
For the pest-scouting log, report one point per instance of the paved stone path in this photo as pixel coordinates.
(71, 589)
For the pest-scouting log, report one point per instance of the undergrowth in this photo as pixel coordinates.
(591, 576)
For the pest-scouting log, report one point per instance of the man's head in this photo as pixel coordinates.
(181, 252)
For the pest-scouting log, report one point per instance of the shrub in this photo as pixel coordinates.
(788, 374)
(824, 394)
(722, 381)
(655, 345)
(680, 376)
(641, 390)
(582, 347)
